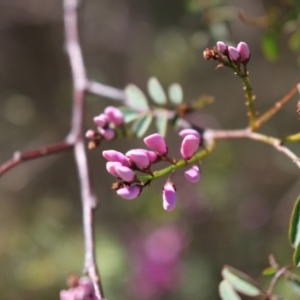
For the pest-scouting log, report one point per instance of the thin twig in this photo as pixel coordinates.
(276, 107)
(19, 157)
(105, 91)
(248, 134)
(89, 200)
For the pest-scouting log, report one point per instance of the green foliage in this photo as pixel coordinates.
(294, 41)
(227, 292)
(294, 281)
(294, 230)
(175, 93)
(161, 121)
(156, 91)
(129, 114)
(270, 46)
(136, 98)
(141, 125)
(241, 282)
(269, 271)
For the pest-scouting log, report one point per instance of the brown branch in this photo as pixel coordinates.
(19, 157)
(276, 107)
(89, 200)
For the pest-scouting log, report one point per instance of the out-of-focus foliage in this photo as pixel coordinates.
(237, 214)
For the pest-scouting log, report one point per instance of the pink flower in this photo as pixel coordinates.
(244, 52)
(234, 54)
(157, 143)
(90, 134)
(222, 47)
(152, 156)
(169, 196)
(129, 192)
(101, 120)
(192, 174)
(139, 157)
(111, 167)
(108, 134)
(114, 115)
(189, 146)
(185, 132)
(113, 155)
(125, 173)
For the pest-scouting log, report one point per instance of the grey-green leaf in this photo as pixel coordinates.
(129, 114)
(136, 98)
(294, 281)
(141, 125)
(296, 256)
(156, 91)
(241, 282)
(175, 93)
(161, 121)
(227, 292)
(294, 230)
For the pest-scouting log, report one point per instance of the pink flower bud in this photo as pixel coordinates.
(101, 120)
(222, 47)
(111, 167)
(192, 174)
(79, 293)
(113, 155)
(108, 134)
(184, 132)
(67, 294)
(87, 286)
(244, 52)
(189, 146)
(152, 156)
(234, 54)
(125, 173)
(139, 157)
(169, 196)
(129, 192)
(157, 143)
(114, 115)
(90, 134)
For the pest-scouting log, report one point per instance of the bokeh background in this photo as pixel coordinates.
(239, 212)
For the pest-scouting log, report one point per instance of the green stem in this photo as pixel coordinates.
(291, 138)
(249, 95)
(182, 163)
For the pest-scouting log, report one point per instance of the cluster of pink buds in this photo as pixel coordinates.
(124, 166)
(80, 289)
(106, 124)
(240, 54)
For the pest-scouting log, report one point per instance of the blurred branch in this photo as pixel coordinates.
(105, 91)
(89, 200)
(19, 157)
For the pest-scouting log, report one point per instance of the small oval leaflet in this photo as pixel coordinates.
(175, 93)
(136, 98)
(156, 91)
(294, 281)
(141, 125)
(294, 230)
(269, 271)
(296, 256)
(227, 292)
(161, 121)
(241, 282)
(129, 114)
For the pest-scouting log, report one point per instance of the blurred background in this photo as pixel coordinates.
(239, 212)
